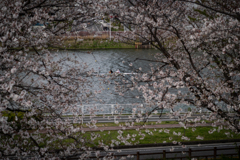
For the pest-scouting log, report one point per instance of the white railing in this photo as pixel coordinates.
(97, 109)
(113, 108)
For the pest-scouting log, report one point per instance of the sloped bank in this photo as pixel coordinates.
(70, 44)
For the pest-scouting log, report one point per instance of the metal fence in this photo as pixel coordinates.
(99, 109)
(212, 153)
(112, 108)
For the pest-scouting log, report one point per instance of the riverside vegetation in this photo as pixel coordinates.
(71, 44)
(34, 78)
(153, 136)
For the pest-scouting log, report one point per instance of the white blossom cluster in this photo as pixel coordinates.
(198, 66)
(198, 43)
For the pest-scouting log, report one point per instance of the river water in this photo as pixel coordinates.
(102, 61)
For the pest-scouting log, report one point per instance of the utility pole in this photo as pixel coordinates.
(110, 27)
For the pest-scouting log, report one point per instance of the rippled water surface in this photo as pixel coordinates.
(104, 60)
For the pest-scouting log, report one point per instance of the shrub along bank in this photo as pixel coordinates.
(92, 44)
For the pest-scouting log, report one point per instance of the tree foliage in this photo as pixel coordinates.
(39, 87)
(198, 43)
(199, 64)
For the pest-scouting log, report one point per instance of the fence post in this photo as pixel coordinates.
(190, 153)
(239, 151)
(138, 156)
(82, 113)
(82, 109)
(112, 109)
(215, 152)
(164, 154)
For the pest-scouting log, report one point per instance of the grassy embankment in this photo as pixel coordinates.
(153, 136)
